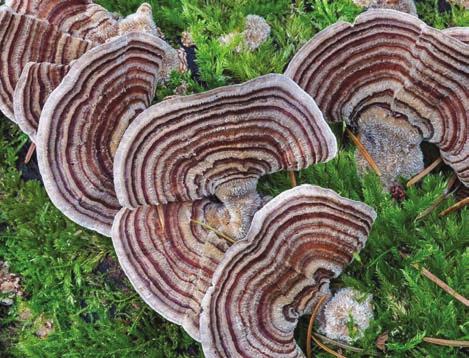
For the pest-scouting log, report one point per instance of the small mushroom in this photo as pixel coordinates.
(197, 159)
(84, 118)
(25, 39)
(415, 73)
(297, 243)
(80, 18)
(36, 83)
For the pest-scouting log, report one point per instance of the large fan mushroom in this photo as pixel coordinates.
(25, 39)
(406, 79)
(297, 243)
(197, 159)
(460, 33)
(84, 118)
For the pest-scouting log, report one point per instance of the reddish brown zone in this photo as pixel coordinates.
(247, 103)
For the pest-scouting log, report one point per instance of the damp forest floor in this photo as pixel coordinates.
(77, 303)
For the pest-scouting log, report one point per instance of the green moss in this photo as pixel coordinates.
(98, 315)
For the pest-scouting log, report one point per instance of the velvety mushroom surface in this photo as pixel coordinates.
(36, 83)
(395, 61)
(84, 118)
(297, 243)
(199, 158)
(26, 39)
(81, 18)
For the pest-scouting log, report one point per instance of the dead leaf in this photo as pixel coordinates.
(381, 341)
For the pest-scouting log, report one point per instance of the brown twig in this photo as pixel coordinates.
(446, 342)
(29, 153)
(439, 282)
(309, 332)
(217, 232)
(460, 204)
(424, 172)
(361, 148)
(292, 178)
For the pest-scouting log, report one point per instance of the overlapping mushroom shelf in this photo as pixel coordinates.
(297, 243)
(80, 18)
(197, 160)
(394, 60)
(84, 118)
(26, 39)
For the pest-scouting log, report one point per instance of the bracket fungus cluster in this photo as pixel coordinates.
(297, 243)
(197, 160)
(84, 118)
(415, 74)
(48, 36)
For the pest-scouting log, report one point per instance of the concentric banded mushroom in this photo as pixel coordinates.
(170, 265)
(395, 61)
(297, 243)
(219, 143)
(81, 18)
(36, 83)
(188, 149)
(84, 118)
(25, 39)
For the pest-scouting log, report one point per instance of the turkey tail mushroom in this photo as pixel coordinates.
(80, 18)
(37, 82)
(25, 39)
(460, 33)
(205, 151)
(392, 60)
(170, 265)
(84, 118)
(297, 243)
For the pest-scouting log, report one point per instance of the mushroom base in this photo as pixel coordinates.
(393, 144)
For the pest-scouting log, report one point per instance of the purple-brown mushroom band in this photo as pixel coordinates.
(297, 243)
(393, 60)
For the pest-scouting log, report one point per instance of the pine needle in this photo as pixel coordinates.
(292, 178)
(326, 348)
(159, 209)
(446, 342)
(309, 332)
(340, 344)
(439, 283)
(424, 172)
(459, 205)
(30, 152)
(217, 232)
(361, 148)
(441, 198)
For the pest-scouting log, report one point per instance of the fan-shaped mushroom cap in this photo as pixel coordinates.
(81, 18)
(460, 33)
(171, 268)
(220, 142)
(84, 118)
(25, 39)
(297, 243)
(392, 59)
(36, 83)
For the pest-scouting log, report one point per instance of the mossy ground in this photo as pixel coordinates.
(70, 276)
